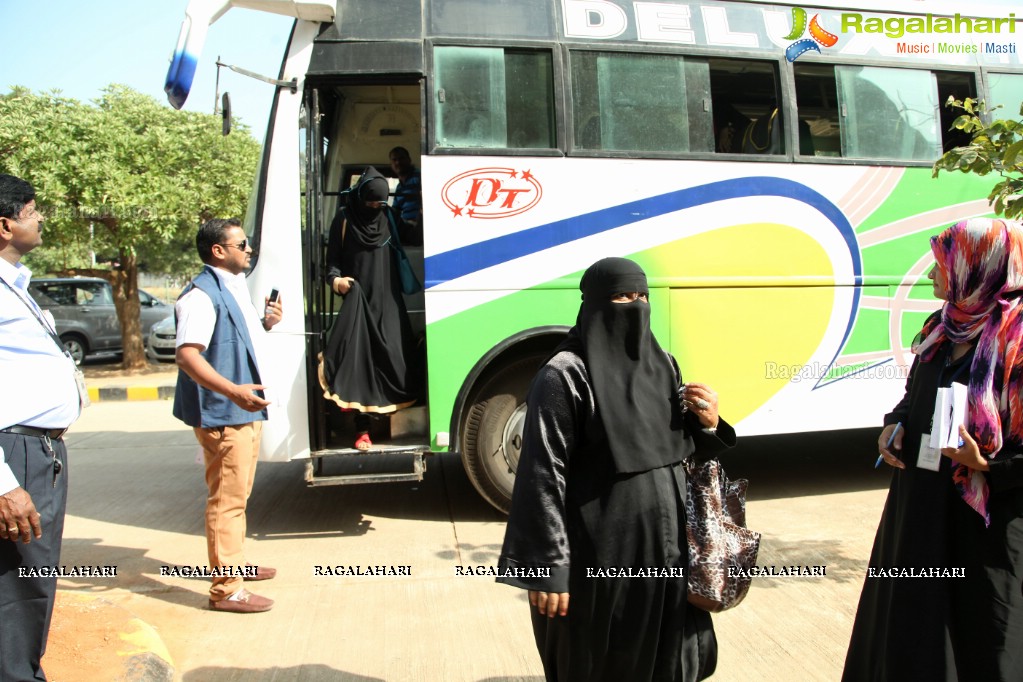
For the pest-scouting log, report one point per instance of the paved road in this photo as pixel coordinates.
(137, 501)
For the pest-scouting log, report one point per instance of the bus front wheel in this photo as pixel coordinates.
(492, 433)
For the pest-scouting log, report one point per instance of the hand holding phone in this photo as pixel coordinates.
(272, 312)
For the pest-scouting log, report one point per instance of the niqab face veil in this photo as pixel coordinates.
(633, 380)
(368, 225)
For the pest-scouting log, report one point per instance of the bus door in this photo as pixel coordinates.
(350, 127)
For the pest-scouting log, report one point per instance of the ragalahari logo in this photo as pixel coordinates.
(818, 36)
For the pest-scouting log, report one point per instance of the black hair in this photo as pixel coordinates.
(15, 193)
(400, 152)
(213, 232)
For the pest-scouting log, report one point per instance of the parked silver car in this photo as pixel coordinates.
(83, 309)
(160, 345)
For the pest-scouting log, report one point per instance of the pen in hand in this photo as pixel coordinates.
(891, 439)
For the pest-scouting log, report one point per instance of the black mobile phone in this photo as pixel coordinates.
(274, 294)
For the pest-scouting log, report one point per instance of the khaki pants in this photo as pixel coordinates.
(230, 453)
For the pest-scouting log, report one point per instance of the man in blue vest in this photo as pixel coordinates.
(219, 333)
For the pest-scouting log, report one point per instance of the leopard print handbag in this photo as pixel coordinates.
(721, 549)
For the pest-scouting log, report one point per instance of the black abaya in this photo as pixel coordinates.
(369, 363)
(942, 628)
(574, 514)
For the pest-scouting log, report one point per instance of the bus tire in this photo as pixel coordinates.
(492, 433)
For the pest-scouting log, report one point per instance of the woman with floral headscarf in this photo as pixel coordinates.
(943, 598)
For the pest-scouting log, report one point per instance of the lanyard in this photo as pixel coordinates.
(39, 318)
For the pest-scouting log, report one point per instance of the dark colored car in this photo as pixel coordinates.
(83, 309)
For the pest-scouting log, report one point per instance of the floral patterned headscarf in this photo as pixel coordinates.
(981, 261)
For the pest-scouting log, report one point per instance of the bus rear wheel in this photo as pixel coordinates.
(492, 431)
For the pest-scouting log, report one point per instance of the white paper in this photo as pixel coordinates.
(928, 457)
(939, 421)
(950, 413)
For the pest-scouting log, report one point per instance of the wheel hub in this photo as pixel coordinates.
(512, 440)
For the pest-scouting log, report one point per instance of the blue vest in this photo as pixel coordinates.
(230, 353)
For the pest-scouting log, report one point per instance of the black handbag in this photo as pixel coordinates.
(721, 549)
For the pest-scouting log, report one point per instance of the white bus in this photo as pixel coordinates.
(768, 165)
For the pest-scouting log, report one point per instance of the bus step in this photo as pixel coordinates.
(359, 468)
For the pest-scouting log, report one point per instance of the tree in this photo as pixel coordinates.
(127, 176)
(995, 147)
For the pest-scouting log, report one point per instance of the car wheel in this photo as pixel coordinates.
(75, 346)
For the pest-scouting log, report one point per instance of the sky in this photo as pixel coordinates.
(81, 46)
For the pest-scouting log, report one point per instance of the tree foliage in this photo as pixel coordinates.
(126, 178)
(995, 147)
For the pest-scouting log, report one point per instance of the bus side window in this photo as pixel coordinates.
(871, 112)
(747, 119)
(959, 85)
(1005, 89)
(817, 103)
(641, 102)
(494, 97)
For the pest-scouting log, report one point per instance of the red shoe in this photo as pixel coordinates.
(363, 442)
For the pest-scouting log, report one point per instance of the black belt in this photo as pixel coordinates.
(52, 434)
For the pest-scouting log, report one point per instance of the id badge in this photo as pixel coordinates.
(929, 457)
(83, 392)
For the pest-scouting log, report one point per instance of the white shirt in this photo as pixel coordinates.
(38, 377)
(197, 317)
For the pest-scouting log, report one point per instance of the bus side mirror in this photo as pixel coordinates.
(225, 111)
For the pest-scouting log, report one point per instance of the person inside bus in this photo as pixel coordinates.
(369, 364)
(408, 196)
(600, 484)
(943, 599)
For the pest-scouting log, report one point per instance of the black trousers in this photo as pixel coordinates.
(26, 603)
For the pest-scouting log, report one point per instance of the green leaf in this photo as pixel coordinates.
(1012, 153)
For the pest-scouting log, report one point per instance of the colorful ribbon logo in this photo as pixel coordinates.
(803, 45)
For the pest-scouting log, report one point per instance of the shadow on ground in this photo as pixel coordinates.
(304, 673)
(819, 463)
(151, 480)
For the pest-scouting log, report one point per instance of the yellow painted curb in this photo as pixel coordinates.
(94, 395)
(139, 637)
(84, 622)
(143, 393)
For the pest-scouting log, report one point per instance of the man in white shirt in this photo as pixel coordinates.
(40, 399)
(220, 396)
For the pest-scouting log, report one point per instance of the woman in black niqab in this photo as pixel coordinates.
(369, 363)
(628, 368)
(600, 493)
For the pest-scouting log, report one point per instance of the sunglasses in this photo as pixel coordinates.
(242, 245)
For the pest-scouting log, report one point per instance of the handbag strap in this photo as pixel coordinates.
(396, 243)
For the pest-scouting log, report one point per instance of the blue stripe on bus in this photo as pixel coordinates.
(466, 260)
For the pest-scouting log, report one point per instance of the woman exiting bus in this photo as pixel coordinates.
(369, 363)
(942, 600)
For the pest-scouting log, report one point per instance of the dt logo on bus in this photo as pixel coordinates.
(491, 193)
(818, 36)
